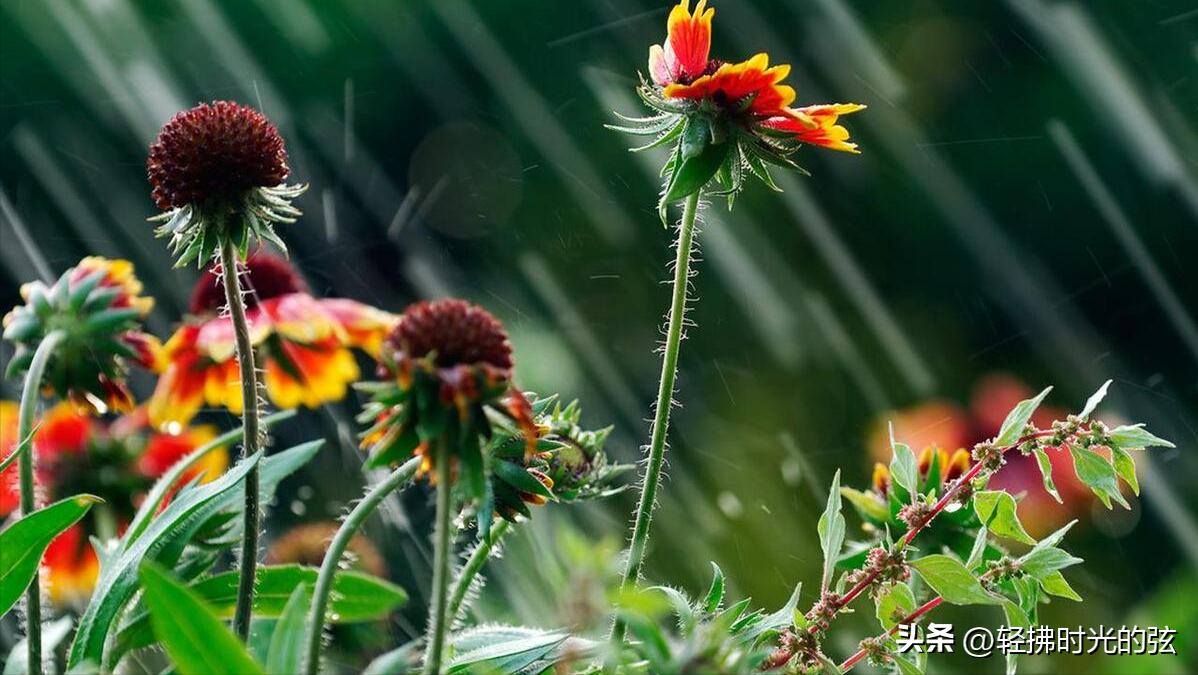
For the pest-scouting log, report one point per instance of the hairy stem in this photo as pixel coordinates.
(437, 623)
(661, 420)
(29, 396)
(473, 566)
(250, 439)
(332, 557)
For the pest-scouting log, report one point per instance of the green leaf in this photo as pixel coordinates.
(893, 604)
(24, 543)
(1136, 436)
(1017, 419)
(53, 633)
(1054, 584)
(356, 597)
(715, 594)
(906, 666)
(507, 656)
(979, 549)
(197, 642)
(831, 531)
(866, 504)
(948, 577)
(1094, 400)
(694, 172)
(118, 581)
(1097, 472)
(1125, 466)
(998, 512)
(399, 661)
(903, 467)
(1041, 562)
(516, 476)
(1045, 463)
(290, 635)
(769, 623)
(696, 136)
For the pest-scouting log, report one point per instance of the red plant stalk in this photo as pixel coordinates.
(910, 618)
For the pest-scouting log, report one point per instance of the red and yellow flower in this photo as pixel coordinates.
(117, 462)
(751, 89)
(303, 344)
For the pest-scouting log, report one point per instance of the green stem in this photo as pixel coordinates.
(250, 438)
(473, 566)
(661, 420)
(332, 558)
(438, 623)
(29, 396)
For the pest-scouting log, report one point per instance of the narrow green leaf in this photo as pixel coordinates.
(519, 478)
(1054, 584)
(53, 633)
(1094, 400)
(979, 549)
(1125, 466)
(399, 661)
(197, 642)
(290, 635)
(1136, 436)
(1097, 472)
(866, 504)
(1045, 464)
(24, 542)
(997, 511)
(1017, 419)
(831, 531)
(948, 577)
(715, 594)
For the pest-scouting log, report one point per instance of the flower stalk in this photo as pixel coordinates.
(473, 566)
(251, 438)
(332, 557)
(438, 621)
(29, 396)
(665, 394)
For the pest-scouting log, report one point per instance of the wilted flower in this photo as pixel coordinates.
(303, 344)
(444, 365)
(725, 116)
(118, 462)
(306, 544)
(97, 307)
(217, 172)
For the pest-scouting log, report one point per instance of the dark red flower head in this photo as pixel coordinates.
(458, 332)
(213, 151)
(266, 276)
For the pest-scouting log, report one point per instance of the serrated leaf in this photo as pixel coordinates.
(831, 529)
(956, 584)
(715, 594)
(23, 544)
(197, 642)
(1094, 400)
(1017, 419)
(1130, 437)
(1098, 473)
(998, 511)
(286, 653)
(1054, 584)
(1045, 464)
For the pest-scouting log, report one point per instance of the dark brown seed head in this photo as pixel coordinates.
(458, 332)
(214, 151)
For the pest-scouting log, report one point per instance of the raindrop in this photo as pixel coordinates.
(298, 507)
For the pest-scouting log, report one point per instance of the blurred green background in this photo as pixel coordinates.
(1026, 202)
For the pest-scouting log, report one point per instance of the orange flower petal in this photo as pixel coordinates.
(216, 338)
(731, 83)
(817, 125)
(363, 325)
(688, 41)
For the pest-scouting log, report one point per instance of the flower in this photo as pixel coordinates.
(936, 469)
(303, 344)
(96, 306)
(117, 462)
(443, 364)
(724, 118)
(217, 172)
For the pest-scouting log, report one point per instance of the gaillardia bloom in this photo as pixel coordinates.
(725, 117)
(303, 344)
(444, 365)
(96, 307)
(118, 462)
(217, 172)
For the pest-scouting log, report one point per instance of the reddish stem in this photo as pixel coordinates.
(913, 616)
(940, 505)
